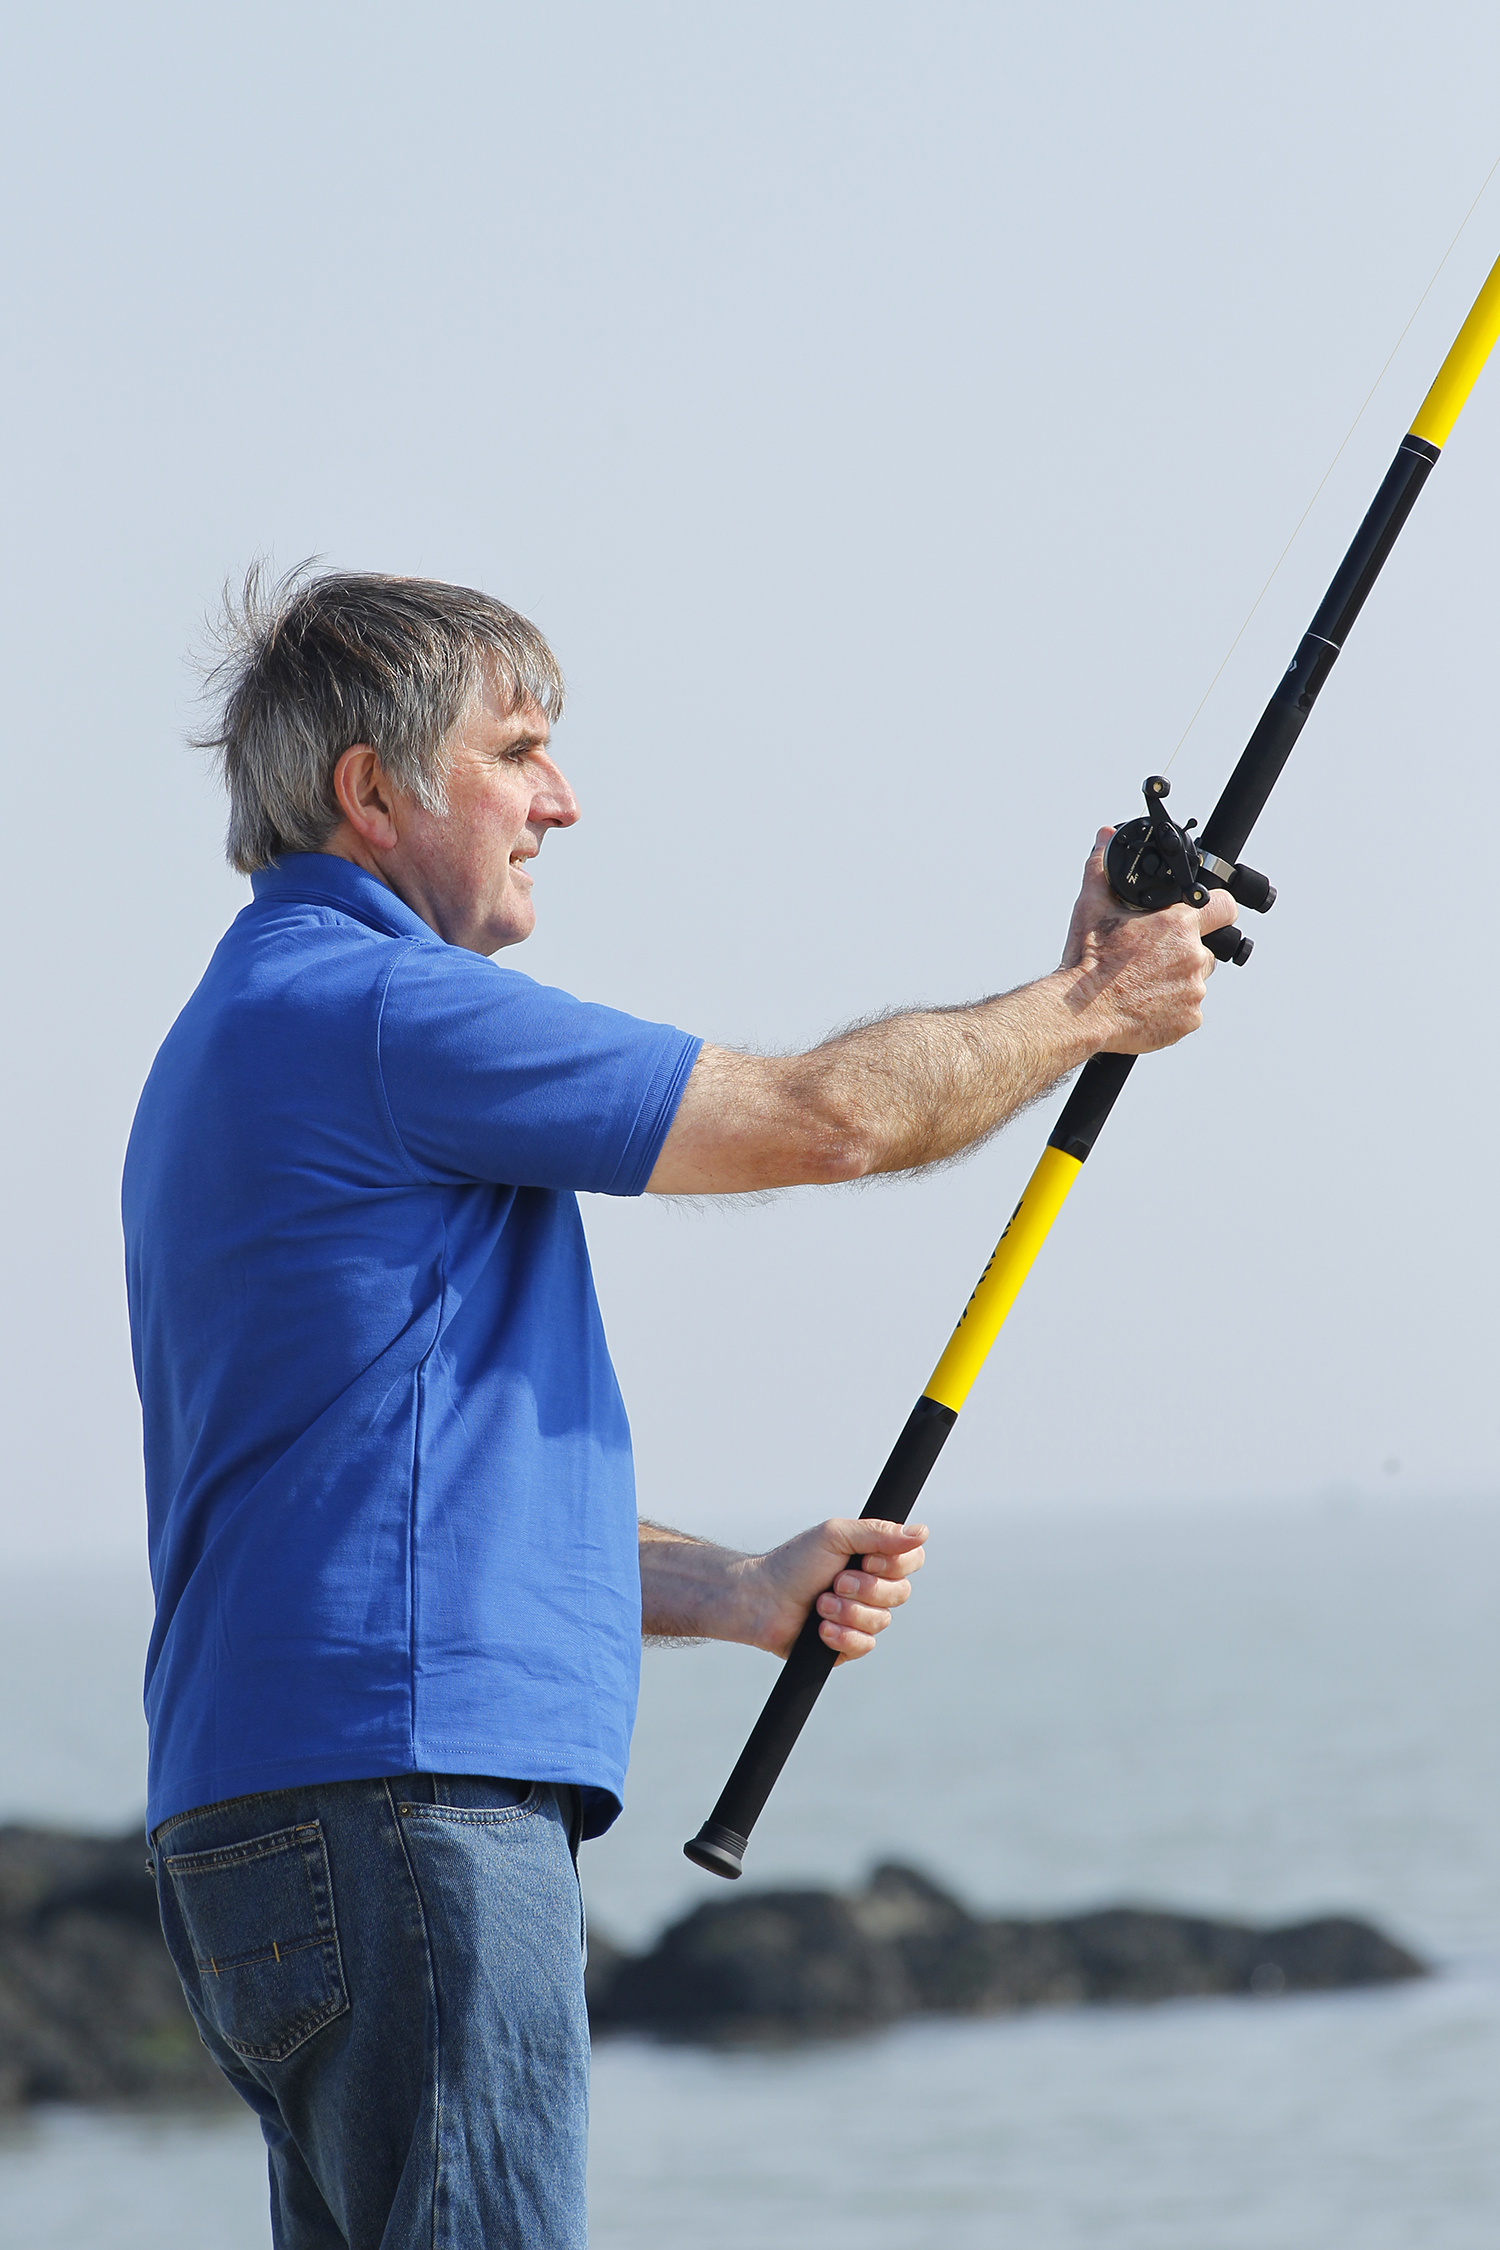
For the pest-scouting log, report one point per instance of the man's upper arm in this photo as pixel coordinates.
(489, 1076)
(752, 1121)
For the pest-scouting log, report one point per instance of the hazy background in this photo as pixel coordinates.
(890, 413)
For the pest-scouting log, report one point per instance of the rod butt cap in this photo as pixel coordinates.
(718, 1850)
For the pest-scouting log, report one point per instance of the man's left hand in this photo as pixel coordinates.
(857, 1571)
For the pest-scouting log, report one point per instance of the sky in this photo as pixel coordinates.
(890, 413)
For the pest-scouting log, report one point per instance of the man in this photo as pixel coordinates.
(400, 1580)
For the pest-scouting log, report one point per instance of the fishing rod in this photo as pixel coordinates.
(1151, 863)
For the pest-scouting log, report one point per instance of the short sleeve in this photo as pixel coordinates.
(490, 1076)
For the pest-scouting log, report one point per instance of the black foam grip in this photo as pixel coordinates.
(785, 1713)
(801, 1679)
(1100, 1084)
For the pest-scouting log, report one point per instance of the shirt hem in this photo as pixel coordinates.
(603, 1788)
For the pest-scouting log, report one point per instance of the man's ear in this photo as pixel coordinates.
(367, 797)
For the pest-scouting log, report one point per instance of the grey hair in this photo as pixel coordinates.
(308, 664)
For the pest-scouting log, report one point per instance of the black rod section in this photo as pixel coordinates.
(1238, 809)
(720, 1843)
(1100, 1085)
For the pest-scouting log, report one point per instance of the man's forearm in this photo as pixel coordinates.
(919, 1086)
(691, 1590)
(909, 1089)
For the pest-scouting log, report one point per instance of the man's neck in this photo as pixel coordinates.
(344, 844)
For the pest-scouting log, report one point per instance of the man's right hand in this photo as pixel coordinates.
(1136, 981)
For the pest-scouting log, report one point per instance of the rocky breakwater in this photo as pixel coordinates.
(809, 1964)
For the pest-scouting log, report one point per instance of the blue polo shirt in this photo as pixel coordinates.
(388, 1473)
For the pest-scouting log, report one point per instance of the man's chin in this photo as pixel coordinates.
(518, 924)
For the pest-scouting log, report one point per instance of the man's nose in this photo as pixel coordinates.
(554, 804)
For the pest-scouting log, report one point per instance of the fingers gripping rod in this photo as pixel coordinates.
(720, 1844)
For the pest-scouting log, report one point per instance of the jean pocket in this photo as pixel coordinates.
(475, 1802)
(265, 1943)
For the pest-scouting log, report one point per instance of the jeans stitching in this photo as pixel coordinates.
(276, 1840)
(278, 1950)
(297, 2034)
(437, 2027)
(320, 1876)
(473, 1816)
(218, 1805)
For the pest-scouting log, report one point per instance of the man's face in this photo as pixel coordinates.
(467, 871)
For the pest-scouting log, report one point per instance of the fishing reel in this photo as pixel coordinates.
(1151, 863)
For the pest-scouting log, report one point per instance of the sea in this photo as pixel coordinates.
(1267, 1713)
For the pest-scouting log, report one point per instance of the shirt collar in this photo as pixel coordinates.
(322, 879)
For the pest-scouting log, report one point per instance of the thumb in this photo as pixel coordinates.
(1220, 910)
(868, 1535)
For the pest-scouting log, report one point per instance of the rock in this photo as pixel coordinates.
(90, 2006)
(780, 1962)
(600, 1968)
(789, 1964)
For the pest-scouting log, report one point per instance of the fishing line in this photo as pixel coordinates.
(1333, 464)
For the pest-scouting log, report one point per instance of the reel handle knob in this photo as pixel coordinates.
(1230, 944)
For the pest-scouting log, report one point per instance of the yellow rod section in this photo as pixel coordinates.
(995, 1291)
(1459, 372)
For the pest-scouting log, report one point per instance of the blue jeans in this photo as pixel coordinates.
(391, 1974)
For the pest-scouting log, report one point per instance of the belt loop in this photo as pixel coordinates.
(575, 1820)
